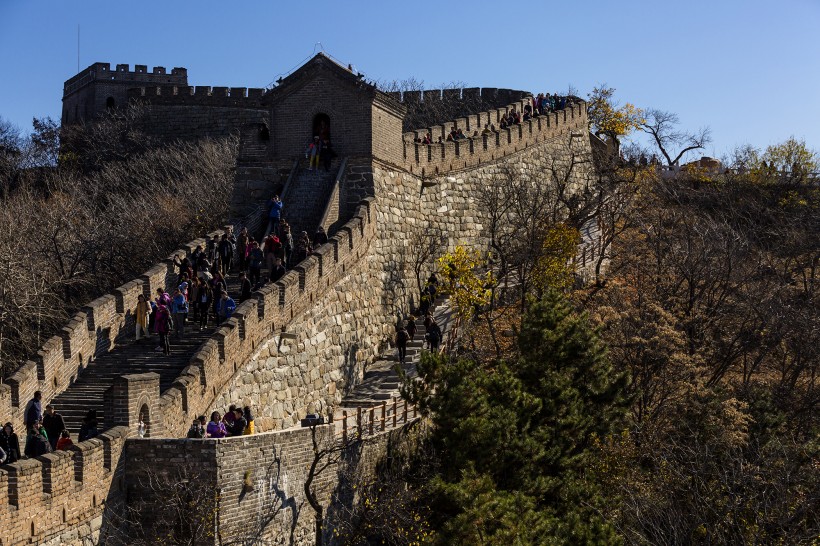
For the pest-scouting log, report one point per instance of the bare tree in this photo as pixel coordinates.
(424, 246)
(662, 126)
(328, 452)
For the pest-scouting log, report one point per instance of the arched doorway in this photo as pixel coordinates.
(144, 423)
(321, 126)
(110, 103)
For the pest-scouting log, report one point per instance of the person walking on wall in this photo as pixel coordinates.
(275, 207)
(34, 410)
(179, 307)
(314, 150)
(203, 303)
(141, 317)
(54, 424)
(245, 287)
(225, 254)
(255, 263)
(434, 336)
(401, 343)
(163, 328)
(89, 428)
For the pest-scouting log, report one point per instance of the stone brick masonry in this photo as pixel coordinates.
(297, 345)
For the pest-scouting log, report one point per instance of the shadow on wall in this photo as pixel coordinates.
(351, 369)
(395, 288)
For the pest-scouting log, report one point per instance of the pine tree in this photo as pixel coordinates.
(520, 436)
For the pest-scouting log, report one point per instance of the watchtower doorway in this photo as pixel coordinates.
(321, 126)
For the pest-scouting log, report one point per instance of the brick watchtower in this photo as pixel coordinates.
(97, 88)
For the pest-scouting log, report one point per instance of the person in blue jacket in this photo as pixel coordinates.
(226, 307)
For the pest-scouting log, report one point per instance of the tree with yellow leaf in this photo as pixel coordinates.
(608, 119)
(469, 288)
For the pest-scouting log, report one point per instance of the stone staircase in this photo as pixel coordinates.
(88, 390)
(381, 382)
(307, 196)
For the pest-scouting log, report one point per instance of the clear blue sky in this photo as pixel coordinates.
(748, 69)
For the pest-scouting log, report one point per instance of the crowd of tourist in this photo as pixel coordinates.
(236, 422)
(199, 297)
(542, 104)
(45, 432)
(406, 330)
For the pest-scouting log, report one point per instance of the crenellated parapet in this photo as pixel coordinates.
(99, 327)
(469, 95)
(122, 73)
(198, 95)
(65, 490)
(448, 156)
(255, 321)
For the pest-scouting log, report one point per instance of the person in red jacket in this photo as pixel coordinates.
(65, 441)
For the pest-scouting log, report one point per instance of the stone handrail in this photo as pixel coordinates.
(333, 203)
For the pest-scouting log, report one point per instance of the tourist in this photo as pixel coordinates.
(163, 297)
(179, 308)
(313, 151)
(162, 327)
(278, 270)
(320, 237)
(197, 430)
(196, 257)
(327, 154)
(141, 317)
(203, 303)
(64, 442)
(255, 263)
(411, 327)
(433, 336)
(275, 207)
(225, 254)
(246, 412)
(229, 416)
(303, 248)
(226, 308)
(184, 265)
(402, 338)
(34, 410)
(10, 443)
(216, 428)
(219, 287)
(242, 247)
(37, 442)
(88, 429)
(272, 249)
(287, 244)
(239, 423)
(245, 287)
(54, 424)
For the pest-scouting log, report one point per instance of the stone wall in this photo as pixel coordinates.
(430, 160)
(259, 481)
(59, 498)
(324, 348)
(98, 87)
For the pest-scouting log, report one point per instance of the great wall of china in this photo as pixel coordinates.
(298, 346)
